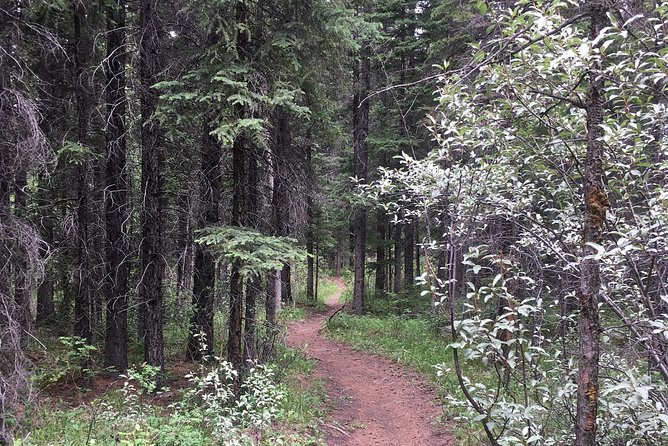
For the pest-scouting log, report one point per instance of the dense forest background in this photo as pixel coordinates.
(173, 173)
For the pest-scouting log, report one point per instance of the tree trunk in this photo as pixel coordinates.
(397, 259)
(250, 349)
(204, 280)
(362, 73)
(82, 300)
(381, 267)
(235, 335)
(46, 291)
(116, 197)
(280, 199)
(317, 270)
(45, 302)
(234, 339)
(286, 284)
(151, 249)
(21, 286)
(185, 265)
(337, 262)
(251, 218)
(409, 247)
(596, 205)
(310, 236)
(418, 266)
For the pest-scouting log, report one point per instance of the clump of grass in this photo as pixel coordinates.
(302, 408)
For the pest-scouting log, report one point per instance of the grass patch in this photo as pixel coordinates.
(326, 287)
(302, 408)
(303, 307)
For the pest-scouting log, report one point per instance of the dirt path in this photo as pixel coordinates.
(373, 400)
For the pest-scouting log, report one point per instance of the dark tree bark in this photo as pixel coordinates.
(45, 301)
(317, 269)
(117, 209)
(286, 283)
(235, 334)
(204, 279)
(21, 288)
(418, 266)
(280, 199)
(596, 206)
(234, 340)
(310, 235)
(250, 322)
(273, 296)
(186, 245)
(253, 287)
(397, 258)
(362, 73)
(151, 248)
(381, 248)
(46, 291)
(409, 247)
(82, 300)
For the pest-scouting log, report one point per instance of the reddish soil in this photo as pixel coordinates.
(373, 400)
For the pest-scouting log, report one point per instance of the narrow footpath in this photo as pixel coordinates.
(373, 401)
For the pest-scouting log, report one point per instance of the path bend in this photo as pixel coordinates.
(373, 401)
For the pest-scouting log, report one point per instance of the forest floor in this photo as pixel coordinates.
(372, 400)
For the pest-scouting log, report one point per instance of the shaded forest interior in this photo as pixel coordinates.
(178, 178)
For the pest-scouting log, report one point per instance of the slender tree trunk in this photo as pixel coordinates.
(310, 236)
(381, 267)
(362, 72)
(337, 262)
(185, 265)
(82, 300)
(151, 248)
(286, 284)
(45, 302)
(250, 349)
(397, 259)
(283, 146)
(273, 297)
(596, 206)
(235, 336)
(317, 270)
(21, 285)
(409, 247)
(46, 291)
(116, 196)
(204, 280)
(418, 266)
(251, 218)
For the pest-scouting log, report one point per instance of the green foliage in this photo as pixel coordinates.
(504, 190)
(74, 153)
(255, 253)
(305, 397)
(70, 363)
(206, 413)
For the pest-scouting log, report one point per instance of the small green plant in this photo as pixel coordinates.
(145, 376)
(72, 363)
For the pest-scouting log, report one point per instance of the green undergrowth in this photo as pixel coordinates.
(302, 408)
(303, 307)
(67, 414)
(403, 330)
(132, 416)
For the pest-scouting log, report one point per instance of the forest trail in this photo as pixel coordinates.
(373, 401)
